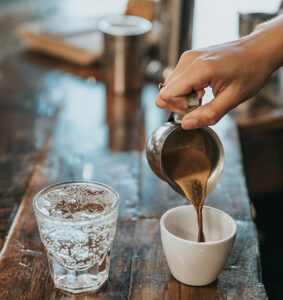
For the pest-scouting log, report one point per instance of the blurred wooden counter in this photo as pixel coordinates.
(57, 124)
(260, 123)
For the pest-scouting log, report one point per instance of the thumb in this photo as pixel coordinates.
(210, 113)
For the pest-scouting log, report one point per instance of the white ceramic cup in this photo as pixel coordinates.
(191, 262)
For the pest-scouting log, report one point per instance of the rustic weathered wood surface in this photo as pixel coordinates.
(55, 127)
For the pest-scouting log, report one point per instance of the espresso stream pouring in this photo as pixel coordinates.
(170, 136)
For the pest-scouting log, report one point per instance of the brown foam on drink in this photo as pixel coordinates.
(78, 206)
(80, 200)
(82, 244)
(73, 202)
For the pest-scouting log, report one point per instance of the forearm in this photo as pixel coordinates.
(268, 37)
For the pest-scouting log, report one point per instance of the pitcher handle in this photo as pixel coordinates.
(174, 117)
(193, 102)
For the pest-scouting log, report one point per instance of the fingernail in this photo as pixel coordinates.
(190, 124)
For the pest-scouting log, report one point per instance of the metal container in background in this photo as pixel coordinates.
(125, 121)
(176, 36)
(124, 52)
(249, 21)
(273, 89)
(176, 21)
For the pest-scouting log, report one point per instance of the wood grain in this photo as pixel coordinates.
(56, 127)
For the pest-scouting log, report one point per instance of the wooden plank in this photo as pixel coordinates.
(25, 260)
(80, 142)
(22, 255)
(86, 133)
(78, 150)
(150, 276)
(13, 183)
(28, 114)
(210, 292)
(151, 279)
(241, 276)
(24, 271)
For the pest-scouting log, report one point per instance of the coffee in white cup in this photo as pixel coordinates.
(191, 262)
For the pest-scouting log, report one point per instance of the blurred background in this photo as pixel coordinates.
(122, 49)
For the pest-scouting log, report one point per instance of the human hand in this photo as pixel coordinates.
(235, 71)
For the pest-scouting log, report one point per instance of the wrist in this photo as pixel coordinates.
(268, 40)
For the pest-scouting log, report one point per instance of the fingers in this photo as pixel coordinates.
(181, 82)
(210, 113)
(194, 74)
(179, 104)
(180, 108)
(195, 77)
(185, 60)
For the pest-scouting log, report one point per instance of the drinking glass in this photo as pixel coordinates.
(77, 223)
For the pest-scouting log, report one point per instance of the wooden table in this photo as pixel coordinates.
(57, 124)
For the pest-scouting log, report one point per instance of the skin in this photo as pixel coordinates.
(235, 71)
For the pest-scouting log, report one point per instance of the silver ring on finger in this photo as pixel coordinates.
(193, 101)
